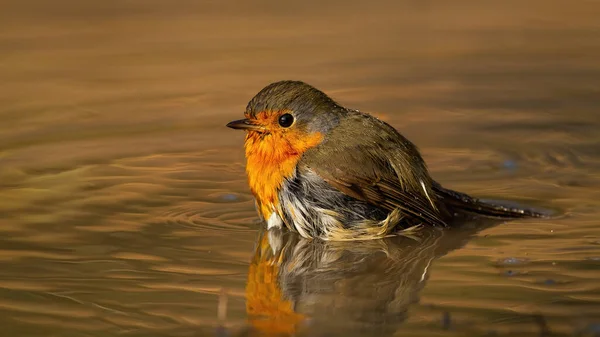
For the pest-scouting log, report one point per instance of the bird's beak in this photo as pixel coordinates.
(245, 124)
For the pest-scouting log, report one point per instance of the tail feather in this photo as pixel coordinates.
(463, 202)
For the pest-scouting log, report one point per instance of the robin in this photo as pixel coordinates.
(329, 172)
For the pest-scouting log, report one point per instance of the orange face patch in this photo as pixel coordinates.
(272, 156)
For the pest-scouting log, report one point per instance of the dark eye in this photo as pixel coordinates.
(286, 120)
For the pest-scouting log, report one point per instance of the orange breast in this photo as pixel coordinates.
(272, 158)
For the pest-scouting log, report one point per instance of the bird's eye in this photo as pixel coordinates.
(286, 120)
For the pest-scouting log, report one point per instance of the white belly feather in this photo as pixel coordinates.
(274, 221)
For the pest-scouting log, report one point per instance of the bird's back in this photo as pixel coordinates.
(358, 183)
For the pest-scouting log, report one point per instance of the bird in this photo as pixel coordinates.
(338, 174)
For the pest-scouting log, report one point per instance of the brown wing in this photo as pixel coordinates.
(363, 163)
(387, 194)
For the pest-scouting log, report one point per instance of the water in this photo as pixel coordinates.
(124, 206)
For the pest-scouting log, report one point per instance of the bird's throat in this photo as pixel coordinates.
(271, 159)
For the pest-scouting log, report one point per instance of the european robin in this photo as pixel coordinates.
(329, 172)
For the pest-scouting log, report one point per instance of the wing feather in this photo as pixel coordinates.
(387, 194)
(369, 160)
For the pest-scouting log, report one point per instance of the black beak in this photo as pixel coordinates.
(244, 124)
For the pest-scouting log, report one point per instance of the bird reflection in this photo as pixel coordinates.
(298, 286)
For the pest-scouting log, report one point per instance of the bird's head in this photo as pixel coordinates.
(290, 115)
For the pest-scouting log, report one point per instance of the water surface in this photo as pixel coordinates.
(124, 208)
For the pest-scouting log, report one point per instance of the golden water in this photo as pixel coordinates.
(124, 208)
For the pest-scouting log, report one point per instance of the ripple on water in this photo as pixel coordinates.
(512, 261)
(147, 243)
(201, 216)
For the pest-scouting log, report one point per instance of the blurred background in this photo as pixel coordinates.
(124, 207)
